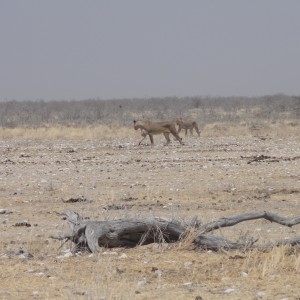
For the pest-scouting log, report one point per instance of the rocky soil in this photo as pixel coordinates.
(208, 177)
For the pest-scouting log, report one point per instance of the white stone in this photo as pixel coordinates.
(260, 294)
(228, 291)
(187, 264)
(68, 254)
(187, 284)
(110, 253)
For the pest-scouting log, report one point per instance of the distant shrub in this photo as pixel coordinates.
(205, 110)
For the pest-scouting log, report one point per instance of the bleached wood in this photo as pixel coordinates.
(133, 232)
(231, 221)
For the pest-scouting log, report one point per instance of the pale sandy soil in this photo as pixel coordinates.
(210, 177)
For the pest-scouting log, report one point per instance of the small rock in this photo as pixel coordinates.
(110, 253)
(141, 283)
(68, 254)
(187, 284)
(122, 256)
(187, 264)
(260, 294)
(158, 273)
(228, 291)
(21, 253)
(22, 224)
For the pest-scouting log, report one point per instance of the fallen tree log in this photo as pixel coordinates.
(92, 235)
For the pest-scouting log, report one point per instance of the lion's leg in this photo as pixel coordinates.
(177, 137)
(142, 139)
(167, 136)
(144, 135)
(186, 131)
(151, 139)
(191, 130)
(197, 129)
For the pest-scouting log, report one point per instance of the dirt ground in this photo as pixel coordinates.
(208, 177)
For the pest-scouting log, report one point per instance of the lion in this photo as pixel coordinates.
(151, 128)
(187, 125)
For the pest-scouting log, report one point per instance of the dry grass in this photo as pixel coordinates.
(66, 132)
(270, 129)
(271, 264)
(148, 272)
(282, 128)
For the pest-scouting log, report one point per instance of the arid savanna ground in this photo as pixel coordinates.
(44, 171)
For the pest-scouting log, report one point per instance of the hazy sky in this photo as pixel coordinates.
(75, 49)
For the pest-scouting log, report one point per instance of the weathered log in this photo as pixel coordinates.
(120, 233)
(291, 242)
(216, 243)
(92, 235)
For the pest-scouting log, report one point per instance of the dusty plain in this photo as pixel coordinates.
(209, 177)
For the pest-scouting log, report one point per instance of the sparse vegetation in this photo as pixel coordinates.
(205, 110)
(84, 156)
(268, 116)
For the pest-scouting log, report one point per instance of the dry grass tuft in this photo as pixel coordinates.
(274, 263)
(187, 241)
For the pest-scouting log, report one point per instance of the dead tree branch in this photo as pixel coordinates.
(231, 221)
(92, 235)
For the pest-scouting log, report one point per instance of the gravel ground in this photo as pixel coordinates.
(210, 177)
